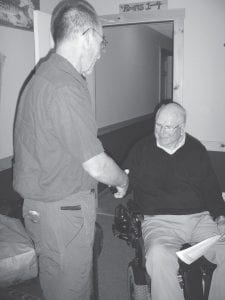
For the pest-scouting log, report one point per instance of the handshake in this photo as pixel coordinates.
(120, 191)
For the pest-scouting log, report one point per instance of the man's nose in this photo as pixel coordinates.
(164, 131)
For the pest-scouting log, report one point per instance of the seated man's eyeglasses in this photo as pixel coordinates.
(104, 42)
(167, 127)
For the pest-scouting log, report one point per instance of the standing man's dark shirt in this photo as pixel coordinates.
(51, 121)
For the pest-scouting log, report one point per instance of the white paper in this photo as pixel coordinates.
(191, 254)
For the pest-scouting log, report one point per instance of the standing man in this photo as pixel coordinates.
(179, 195)
(58, 157)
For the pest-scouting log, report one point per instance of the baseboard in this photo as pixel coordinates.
(117, 126)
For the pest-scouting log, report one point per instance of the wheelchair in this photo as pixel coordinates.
(194, 279)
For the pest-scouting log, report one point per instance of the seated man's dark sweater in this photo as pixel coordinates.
(179, 183)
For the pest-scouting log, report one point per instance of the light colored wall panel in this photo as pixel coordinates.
(18, 47)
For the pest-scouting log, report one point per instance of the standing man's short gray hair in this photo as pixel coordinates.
(70, 17)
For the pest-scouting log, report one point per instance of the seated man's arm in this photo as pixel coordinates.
(105, 170)
(212, 189)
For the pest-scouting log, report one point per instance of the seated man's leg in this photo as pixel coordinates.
(216, 254)
(161, 243)
(217, 289)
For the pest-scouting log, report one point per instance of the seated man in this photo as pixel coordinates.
(179, 195)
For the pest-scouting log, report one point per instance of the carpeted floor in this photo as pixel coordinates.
(29, 290)
(112, 261)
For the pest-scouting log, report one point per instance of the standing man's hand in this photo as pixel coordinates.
(103, 168)
(121, 190)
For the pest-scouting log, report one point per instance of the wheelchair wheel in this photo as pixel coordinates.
(136, 291)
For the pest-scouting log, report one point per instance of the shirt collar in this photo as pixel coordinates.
(169, 151)
(67, 67)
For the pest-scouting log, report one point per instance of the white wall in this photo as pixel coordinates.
(127, 75)
(204, 66)
(18, 47)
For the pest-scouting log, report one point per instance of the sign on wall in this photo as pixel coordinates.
(18, 13)
(143, 6)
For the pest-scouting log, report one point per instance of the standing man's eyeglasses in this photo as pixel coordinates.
(104, 42)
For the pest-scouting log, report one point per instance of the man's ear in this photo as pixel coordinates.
(87, 40)
(182, 129)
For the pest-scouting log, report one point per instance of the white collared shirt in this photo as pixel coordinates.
(172, 151)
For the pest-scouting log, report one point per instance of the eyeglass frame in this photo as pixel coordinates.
(104, 42)
(167, 127)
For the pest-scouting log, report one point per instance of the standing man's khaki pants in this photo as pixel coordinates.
(63, 233)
